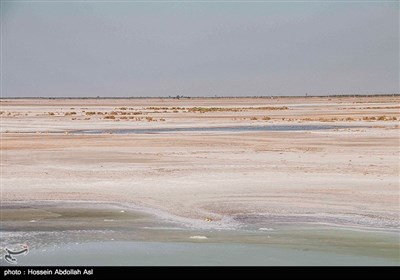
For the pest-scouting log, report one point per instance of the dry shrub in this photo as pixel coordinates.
(268, 108)
(157, 108)
(212, 109)
(325, 120)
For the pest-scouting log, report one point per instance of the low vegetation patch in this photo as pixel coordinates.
(69, 113)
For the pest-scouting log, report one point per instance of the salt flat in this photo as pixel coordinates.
(347, 177)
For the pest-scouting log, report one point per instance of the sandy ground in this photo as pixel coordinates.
(347, 176)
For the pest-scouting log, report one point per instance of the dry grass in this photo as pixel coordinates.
(349, 119)
(369, 118)
(223, 109)
(387, 107)
(212, 109)
(267, 108)
(158, 108)
(69, 113)
(380, 118)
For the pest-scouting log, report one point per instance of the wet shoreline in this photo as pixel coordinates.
(65, 224)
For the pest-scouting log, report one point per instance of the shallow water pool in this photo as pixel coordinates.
(246, 128)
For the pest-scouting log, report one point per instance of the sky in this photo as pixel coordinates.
(165, 48)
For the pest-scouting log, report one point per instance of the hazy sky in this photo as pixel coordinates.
(199, 48)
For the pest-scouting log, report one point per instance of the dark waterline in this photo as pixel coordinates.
(247, 128)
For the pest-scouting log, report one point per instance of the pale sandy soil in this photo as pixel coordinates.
(346, 177)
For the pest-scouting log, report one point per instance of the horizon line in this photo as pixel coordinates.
(203, 97)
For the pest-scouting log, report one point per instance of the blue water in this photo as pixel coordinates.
(247, 128)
